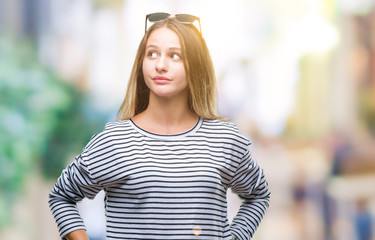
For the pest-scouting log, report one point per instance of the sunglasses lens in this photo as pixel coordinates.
(183, 18)
(158, 17)
(186, 18)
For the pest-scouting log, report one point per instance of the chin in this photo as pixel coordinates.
(167, 94)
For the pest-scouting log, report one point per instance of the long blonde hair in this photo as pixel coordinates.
(199, 72)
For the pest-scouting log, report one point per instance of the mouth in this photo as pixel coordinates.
(161, 79)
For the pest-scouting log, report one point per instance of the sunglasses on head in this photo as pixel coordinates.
(183, 18)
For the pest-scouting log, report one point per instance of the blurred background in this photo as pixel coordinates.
(296, 76)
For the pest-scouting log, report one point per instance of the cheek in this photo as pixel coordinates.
(146, 72)
(144, 67)
(148, 66)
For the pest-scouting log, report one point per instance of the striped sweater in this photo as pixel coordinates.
(165, 186)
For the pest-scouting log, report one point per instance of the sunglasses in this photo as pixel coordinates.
(183, 18)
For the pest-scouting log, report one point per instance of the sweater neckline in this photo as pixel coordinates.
(186, 133)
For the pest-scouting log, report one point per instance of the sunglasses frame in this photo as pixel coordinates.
(177, 16)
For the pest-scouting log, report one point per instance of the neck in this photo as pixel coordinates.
(166, 116)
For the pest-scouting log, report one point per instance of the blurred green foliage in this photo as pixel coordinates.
(43, 122)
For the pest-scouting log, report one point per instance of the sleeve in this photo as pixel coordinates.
(251, 186)
(74, 184)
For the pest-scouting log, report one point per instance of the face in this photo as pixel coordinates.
(163, 66)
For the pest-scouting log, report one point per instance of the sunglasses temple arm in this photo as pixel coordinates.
(146, 23)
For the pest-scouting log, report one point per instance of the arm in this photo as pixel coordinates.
(77, 235)
(74, 184)
(250, 184)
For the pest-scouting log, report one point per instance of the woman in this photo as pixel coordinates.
(167, 163)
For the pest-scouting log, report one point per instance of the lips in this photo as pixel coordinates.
(161, 79)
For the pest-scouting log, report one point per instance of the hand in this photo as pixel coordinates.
(234, 237)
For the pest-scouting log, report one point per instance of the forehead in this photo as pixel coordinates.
(163, 37)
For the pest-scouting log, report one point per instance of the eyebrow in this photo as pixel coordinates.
(170, 49)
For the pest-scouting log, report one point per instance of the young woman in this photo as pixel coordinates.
(166, 165)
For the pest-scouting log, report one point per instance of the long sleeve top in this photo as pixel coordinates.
(165, 186)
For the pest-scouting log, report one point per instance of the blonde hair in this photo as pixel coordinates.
(199, 73)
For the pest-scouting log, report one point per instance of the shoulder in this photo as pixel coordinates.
(116, 126)
(225, 130)
(221, 126)
(112, 131)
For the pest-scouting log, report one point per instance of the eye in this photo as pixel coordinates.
(176, 56)
(152, 54)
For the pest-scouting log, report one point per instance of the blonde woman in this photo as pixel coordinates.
(166, 164)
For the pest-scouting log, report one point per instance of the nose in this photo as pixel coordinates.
(162, 64)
